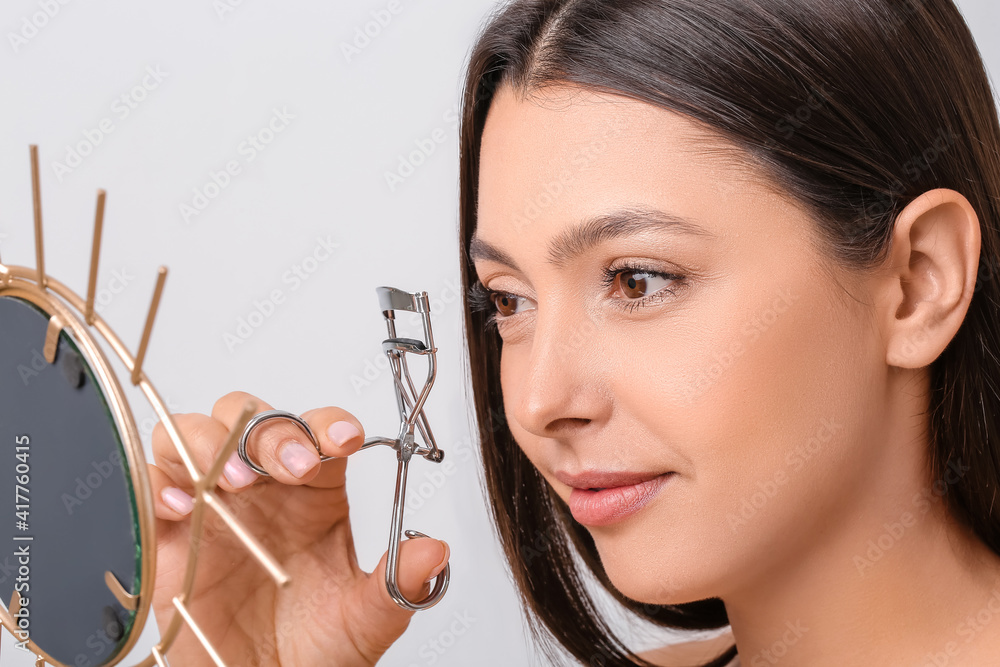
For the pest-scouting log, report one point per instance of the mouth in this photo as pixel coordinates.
(601, 499)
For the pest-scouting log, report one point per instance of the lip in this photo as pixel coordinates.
(601, 499)
(595, 479)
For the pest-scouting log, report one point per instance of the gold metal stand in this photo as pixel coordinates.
(68, 311)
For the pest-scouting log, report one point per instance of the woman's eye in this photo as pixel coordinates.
(638, 284)
(495, 305)
(506, 304)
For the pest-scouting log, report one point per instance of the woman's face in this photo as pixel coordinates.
(669, 312)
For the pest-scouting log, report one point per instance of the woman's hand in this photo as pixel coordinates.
(332, 613)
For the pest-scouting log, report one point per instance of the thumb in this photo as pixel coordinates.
(383, 621)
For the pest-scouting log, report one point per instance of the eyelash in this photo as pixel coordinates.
(481, 298)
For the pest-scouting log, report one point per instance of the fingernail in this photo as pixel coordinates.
(298, 458)
(440, 566)
(237, 472)
(177, 500)
(342, 431)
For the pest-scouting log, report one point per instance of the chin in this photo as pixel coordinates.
(648, 573)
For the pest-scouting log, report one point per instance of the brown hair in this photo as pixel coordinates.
(854, 108)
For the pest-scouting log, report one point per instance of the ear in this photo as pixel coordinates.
(929, 277)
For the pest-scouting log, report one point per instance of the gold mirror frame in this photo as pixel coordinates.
(59, 302)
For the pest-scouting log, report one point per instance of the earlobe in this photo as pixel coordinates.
(930, 276)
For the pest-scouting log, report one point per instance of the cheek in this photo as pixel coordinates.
(512, 370)
(766, 405)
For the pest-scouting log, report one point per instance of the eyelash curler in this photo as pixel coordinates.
(411, 414)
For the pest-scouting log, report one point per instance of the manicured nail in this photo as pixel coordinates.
(342, 431)
(177, 500)
(440, 566)
(237, 472)
(298, 458)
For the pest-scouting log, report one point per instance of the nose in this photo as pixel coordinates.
(559, 389)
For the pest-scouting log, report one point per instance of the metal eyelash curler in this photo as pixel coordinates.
(411, 414)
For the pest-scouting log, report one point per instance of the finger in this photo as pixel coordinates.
(338, 431)
(279, 446)
(340, 434)
(205, 437)
(170, 501)
(420, 560)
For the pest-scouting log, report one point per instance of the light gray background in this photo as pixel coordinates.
(225, 68)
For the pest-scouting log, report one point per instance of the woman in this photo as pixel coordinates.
(732, 330)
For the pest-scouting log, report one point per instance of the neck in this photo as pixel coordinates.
(896, 581)
(932, 592)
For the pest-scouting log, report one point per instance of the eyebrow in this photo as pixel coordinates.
(574, 242)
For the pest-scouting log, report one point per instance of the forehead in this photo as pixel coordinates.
(565, 153)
